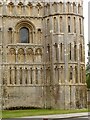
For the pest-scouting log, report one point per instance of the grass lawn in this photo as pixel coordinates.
(35, 112)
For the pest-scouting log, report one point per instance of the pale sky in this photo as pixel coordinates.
(85, 6)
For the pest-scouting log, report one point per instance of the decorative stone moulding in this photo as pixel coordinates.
(26, 1)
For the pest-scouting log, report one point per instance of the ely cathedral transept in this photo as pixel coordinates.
(42, 54)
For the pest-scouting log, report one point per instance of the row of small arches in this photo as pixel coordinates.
(38, 4)
(46, 6)
(27, 51)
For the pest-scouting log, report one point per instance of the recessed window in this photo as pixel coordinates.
(24, 35)
(69, 24)
(70, 75)
(80, 26)
(75, 52)
(70, 57)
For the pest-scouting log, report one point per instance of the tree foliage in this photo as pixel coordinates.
(88, 76)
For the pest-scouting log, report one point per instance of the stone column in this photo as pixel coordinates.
(56, 75)
(33, 75)
(16, 36)
(71, 7)
(58, 52)
(18, 76)
(25, 56)
(59, 76)
(16, 55)
(0, 35)
(67, 96)
(39, 76)
(29, 76)
(13, 75)
(24, 10)
(74, 75)
(23, 75)
(13, 36)
(8, 75)
(71, 25)
(42, 77)
(72, 49)
(78, 63)
(73, 102)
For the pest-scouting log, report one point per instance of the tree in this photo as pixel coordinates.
(88, 75)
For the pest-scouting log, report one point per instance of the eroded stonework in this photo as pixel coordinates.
(42, 54)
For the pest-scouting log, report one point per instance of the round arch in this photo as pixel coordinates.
(25, 24)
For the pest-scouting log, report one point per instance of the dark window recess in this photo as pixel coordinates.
(10, 29)
(68, 28)
(24, 35)
(70, 75)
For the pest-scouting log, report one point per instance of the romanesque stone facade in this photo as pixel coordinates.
(42, 54)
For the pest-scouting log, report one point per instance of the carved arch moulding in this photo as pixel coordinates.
(25, 24)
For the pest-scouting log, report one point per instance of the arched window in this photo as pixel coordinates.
(24, 35)
(80, 26)
(55, 24)
(75, 51)
(71, 73)
(61, 51)
(61, 7)
(20, 75)
(48, 26)
(80, 52)
(74, 7)
(76, 74)
(69, 24)
(79, 8)
(10, 34)
(56, 51)
(48, 52)
(70, 51)
(61, 27)
(68, 6)
(74, 25)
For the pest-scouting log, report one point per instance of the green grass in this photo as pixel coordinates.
(35, 112)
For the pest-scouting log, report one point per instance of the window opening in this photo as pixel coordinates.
(24, 35)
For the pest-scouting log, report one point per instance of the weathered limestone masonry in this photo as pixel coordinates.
(42, 54)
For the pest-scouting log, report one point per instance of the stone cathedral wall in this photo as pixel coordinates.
(48, 71)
